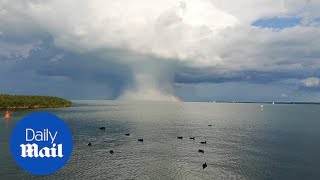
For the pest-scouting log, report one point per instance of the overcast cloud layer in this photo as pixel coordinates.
(145, 49)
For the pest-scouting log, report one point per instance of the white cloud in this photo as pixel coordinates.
(311, 82)
(199, 33)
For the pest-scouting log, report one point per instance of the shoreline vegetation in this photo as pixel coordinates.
(32, 102)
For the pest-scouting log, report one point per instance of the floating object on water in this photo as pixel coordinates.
(201, 151)
(102, 128)
(111, 152)
(203, 142)
(204, 165)
(179, 137)
(127, 134)
(192, 138)
(210, 125)
(141, 140)
(7, 115)
(89, 144)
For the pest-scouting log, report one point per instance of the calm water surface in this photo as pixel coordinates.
(244, 142)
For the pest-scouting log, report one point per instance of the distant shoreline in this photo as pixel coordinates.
(33, 107)
(32, 102)
(76, 101)
(312, 103)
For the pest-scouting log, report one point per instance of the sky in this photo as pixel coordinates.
(193, 50)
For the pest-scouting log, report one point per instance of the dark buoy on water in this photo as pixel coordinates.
(192, 138)
(203, 142)
(179, 137)
(127, 134)
(111, 152)
(201, 151)
(89, 144)
(204, 165)
(102, 128)
(141, 140)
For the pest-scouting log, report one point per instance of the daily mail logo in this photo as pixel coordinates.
(41, 143)
(32, 150)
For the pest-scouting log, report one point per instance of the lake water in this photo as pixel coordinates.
(244, 141)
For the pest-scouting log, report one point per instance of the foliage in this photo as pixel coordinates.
(22, 101)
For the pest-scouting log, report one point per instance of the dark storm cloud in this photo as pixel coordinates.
(50, 70)
(259, 77)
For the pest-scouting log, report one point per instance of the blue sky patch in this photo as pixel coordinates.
(277, 23)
